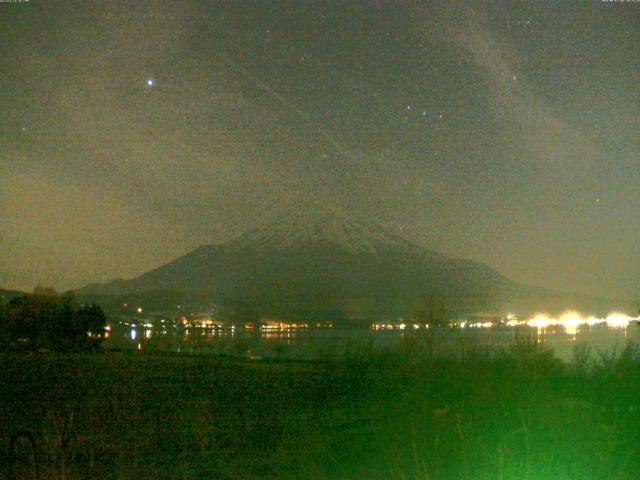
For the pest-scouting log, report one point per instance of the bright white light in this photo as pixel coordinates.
(150, 82)
(571, 320)
(618, 320)
(541, 320)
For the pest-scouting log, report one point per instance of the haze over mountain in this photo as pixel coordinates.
(498, 131)
(323, 261)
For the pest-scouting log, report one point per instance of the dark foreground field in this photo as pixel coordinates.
(513, 414)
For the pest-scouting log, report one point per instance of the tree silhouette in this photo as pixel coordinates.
(51, 321)
(432, 312)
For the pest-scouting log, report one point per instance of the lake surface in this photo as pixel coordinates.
(316, 343)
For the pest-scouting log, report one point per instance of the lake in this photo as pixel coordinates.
(321, 342)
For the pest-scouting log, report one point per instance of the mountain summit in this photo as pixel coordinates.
(325, 260)
(331, 226)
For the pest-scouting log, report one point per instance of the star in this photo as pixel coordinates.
(150, 82)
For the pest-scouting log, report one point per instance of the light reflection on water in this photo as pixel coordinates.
(323, 342)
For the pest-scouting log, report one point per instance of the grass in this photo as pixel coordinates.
(509, 413)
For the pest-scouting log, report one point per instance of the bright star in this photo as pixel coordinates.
(150, 82)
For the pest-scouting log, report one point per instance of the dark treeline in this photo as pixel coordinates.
(50, 321)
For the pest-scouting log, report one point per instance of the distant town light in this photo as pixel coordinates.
(540, 321)
(618, 320)
(571, 320)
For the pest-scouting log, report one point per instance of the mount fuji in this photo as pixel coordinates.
(329, 261)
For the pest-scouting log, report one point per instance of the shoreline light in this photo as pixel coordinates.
(571, 320)
(618, 320)
(541, 320)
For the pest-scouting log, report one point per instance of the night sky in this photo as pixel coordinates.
(505, 132)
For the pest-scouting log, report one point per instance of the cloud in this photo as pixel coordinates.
(548, 138)
(65, 233)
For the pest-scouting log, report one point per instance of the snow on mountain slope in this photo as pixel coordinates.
(333, 226)
(319, 258)
(307, 261)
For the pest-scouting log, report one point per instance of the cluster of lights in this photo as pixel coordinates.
(216, 330)
(466, 324)
(283, 326)
(571, 320)
(209, 323)
(418, 326)
(397, 326)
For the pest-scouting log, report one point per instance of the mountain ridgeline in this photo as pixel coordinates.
(310, 264)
